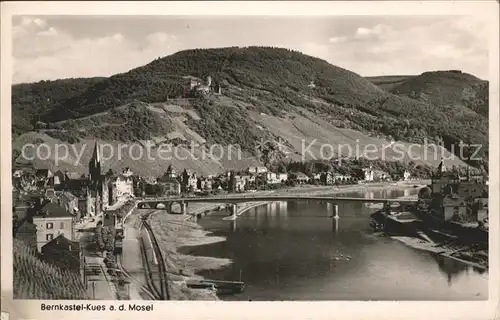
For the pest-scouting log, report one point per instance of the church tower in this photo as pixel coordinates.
(441, 168)
(95, 168)
(95, 181)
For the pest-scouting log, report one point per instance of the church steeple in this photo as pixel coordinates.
(95, 153)
(95, 165)
(441, 167)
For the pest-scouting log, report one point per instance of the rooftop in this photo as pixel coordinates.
(61, 242)
(52, 210)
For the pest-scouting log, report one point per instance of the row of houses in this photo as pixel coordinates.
(457, 197)
(54, 201)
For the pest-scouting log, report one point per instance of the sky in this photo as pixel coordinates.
(54, 47)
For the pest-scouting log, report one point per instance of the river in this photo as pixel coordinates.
(294, 251)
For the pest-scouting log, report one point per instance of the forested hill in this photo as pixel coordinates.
(451, 89)
(30, 101)
(278, 82)
(279, 71)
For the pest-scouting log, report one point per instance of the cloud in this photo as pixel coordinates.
(339, 39)
(43, 52)
(45, 48)
(398, 48)
(362, 32)
(49, 32)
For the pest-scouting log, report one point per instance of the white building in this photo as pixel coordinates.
(406, 176)
(369, 174)
(274, 178)
(192, 183)
(257, 170)
(122, 186)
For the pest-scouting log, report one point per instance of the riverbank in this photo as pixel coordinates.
(475, 255)
(175, 231)
(447, 251)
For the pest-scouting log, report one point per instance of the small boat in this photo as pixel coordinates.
(220, 287)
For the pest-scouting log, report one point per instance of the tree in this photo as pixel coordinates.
(185, 181)
(108, 239)
(281, 168)
(232, 183)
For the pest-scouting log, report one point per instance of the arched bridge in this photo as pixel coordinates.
(235, 199)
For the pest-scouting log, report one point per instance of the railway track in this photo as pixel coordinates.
(162, 269)
(150, 289)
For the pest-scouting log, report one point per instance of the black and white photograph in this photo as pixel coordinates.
(249, 158)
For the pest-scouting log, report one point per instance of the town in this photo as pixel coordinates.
(51, 208)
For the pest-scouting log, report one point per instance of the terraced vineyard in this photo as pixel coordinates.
(49, 281)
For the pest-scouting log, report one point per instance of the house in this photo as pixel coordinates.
(274, 178)
(481, 209)
(330, 178)
(444, 181)
(121, 187)
(17, 173)
(471, 189)
(302, 178)
(257, 170)
(192, 182)
(50, 194)
(82, 207)
(127, 172)
(406, 175)
(240, 182)
(319, 177)
(368, 174)
(26, 232)
(282, 177)
(151, 180)
(453, 206)
(326, 178)
(341, 178)
(171, 186)
(63, 253)
(76, 186)
(52, 220)
(43, 174)
(68, 201)
(58, 178)
(379, 175)
(204, 184)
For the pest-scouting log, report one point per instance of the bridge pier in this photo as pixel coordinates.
(183, 207)
(335, 214)
(335, 226)
(234, 209)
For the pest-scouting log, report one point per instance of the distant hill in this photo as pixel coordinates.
(447, 89)
(388, 82)
(269, 94)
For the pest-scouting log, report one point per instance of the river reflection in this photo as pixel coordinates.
(296, 251)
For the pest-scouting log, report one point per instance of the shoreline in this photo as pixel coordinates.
(423, 245)
(174, 232)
